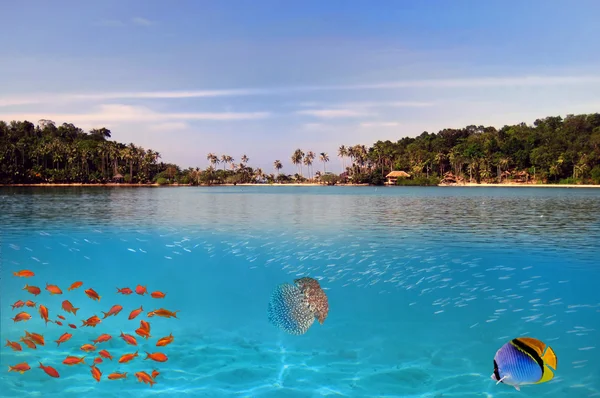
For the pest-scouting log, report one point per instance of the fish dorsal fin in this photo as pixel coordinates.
(526, 349)
(546, 353)
(534, 344)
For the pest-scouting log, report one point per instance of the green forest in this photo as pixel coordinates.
(552, 150)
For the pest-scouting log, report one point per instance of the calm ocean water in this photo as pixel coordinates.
(424, 285)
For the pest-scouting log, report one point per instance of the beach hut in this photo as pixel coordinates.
(394, 175)
(118, 178)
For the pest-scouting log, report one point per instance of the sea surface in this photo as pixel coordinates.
(424, 286)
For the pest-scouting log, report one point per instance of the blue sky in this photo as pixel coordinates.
(263, 78)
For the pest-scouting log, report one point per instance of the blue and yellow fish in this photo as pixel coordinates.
(522, 361)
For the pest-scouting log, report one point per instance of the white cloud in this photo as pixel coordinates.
(380, 124)
(333, 113)
(118, 113)
(141, 21)
(169, 126)
(484, 82)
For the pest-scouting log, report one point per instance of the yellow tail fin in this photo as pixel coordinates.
(549, 358)
(548, 375)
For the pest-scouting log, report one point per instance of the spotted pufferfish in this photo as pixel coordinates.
(294, 307)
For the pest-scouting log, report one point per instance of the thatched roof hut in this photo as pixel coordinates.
(118, 177)
(394, 175)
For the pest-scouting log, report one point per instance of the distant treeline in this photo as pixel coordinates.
(551, 150)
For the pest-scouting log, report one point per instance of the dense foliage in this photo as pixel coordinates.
(551, 150)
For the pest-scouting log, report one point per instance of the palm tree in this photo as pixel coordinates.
(213, 159)
(324, 158)
(342, 153)
(297, 158)
(224, 160)
(278, 166)
(245, 159)
(308, 163)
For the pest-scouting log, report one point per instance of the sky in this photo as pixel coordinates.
(263, 78)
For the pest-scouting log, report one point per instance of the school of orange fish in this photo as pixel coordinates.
(32, 340)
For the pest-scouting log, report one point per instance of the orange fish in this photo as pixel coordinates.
(63, 338)
(117, 376)
(61, 317)
(75, 285)
(14, 345)
(135, 313)
(143, 333)
(144, 325)
(144, 377)
(92, 321)
(38, 338)
(105, 354)
(24, 273)
(18, 304)
(157, 356)
(96, 373)
(29, 343)
(20, 367)
(124, 290)
(50, 371)
(68, 307)
(30, 303)
(59, 323)
(102, 338)
(114, 311)
(88, 348)
(72, 326)
(70, 360)
(53, 289)
(127, 357)
(91, 293)
(44, 313)
(33, 289)
(98, 360)
(129, 339)
(154, 374)
(141, 290)
(163, 341)
(158, 295)
(164, 313)
(21, 317)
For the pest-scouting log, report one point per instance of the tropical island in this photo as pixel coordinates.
(554, 150)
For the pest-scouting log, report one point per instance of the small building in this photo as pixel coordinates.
(394, 175)
(118, 178)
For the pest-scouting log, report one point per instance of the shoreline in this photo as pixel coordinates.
(464, 185)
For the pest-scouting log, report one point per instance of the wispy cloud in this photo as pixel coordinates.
(110, 23)
(135, 21)
(118, 113)
(502, 82)
(333, 113)
(141, 21)
(372, 104)
(380, 124)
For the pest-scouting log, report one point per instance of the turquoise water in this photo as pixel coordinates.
(424, 286)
